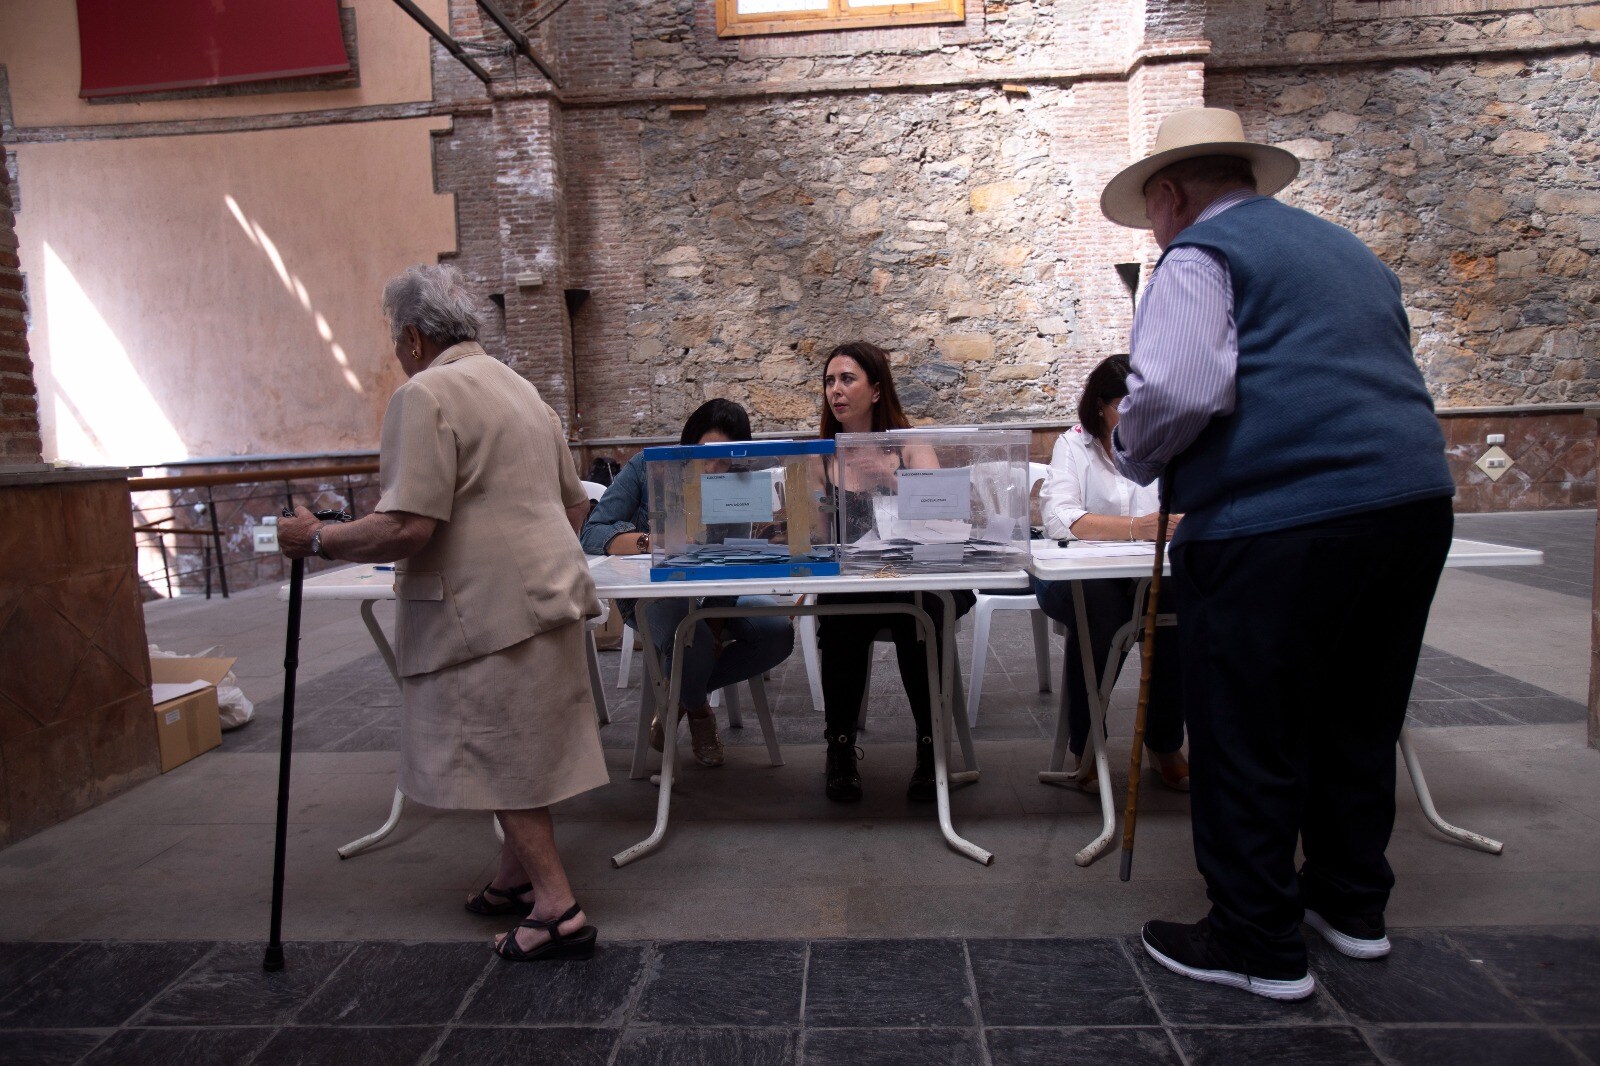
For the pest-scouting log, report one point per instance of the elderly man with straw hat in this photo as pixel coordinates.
(1275, 394)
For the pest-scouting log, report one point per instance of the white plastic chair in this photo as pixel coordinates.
(983, 614)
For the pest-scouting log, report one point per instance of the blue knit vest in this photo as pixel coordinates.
(1331, 416)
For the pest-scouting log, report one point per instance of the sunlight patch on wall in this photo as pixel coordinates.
(103, 411)
(295, 287)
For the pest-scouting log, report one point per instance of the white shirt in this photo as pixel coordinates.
(1083, 480)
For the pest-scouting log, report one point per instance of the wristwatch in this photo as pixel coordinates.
(641, 544)
(316, 544)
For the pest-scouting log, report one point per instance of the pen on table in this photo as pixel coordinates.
(383, 566)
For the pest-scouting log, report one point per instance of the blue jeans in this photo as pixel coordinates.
(750, 646)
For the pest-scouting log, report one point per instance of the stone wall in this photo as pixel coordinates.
(1475, 180)
(737, 206)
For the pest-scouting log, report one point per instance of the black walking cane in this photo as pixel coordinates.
(1147, 657)
(291, 661)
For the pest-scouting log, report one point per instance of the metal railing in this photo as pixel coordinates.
(197, 512)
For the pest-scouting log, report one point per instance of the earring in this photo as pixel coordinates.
(415, 356)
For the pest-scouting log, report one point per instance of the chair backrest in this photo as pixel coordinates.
(1036, 474)
(594, 491)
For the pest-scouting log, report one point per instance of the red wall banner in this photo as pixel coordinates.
(157, 45)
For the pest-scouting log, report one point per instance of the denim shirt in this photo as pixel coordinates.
(623, 509)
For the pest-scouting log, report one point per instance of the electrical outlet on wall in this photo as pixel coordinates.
(1494, 463)
(265, 538)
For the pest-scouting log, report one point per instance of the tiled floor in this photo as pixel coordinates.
(356, 708)
(1456, 997)
(1565, 537)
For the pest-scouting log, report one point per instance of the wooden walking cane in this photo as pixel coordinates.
(1147, 655)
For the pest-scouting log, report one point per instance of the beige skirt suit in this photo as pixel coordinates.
(497, 712)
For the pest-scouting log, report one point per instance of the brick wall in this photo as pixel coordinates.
(19, 402)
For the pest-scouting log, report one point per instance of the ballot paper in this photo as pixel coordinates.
(1096, 549)
(736, 496)
(944, 493)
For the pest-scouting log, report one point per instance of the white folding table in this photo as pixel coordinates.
(1086, 565)
(628, 577)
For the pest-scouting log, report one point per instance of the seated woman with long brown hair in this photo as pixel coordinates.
(858, 396)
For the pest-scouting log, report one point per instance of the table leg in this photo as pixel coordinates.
(658, 685)
(939, 682)
(356, 847)
(1464, 837)
(1098, 699)
(669, 753)
(378, 638)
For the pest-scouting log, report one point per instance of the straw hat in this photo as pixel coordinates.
(1186, 135)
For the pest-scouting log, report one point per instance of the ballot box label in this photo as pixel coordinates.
(925, 494)
(737, 496)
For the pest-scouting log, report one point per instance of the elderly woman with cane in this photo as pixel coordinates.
(481, 504)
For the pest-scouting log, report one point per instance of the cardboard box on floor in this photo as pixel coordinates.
(188, 725)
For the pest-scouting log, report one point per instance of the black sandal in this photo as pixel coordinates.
(482, 904)
(579, 945)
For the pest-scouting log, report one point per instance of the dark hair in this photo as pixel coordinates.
(718, 414)
(603, 470)
(1215, 171)
(1107, 382)
(874, 362)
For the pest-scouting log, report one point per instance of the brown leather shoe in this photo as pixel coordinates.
(1172, 770)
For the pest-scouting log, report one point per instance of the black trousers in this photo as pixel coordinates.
(1109, 604)
(1299, 649)
(844, 645)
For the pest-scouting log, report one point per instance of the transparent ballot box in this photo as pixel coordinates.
(923, 500)
(740, 509)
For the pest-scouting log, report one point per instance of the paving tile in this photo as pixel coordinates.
(1050, 1047)
(1478, 1046)
(521, 1046)
(707, 1047)
(1449, 666)
(1424, 979)
(1555, 975)
(397, 984)
(1459, 711)
(192, 1047)
(892, 1047)
(47, 1047)
(230, 987)
(98, 986)
(1586, 1041)
(20, 961)
(1184, 1001)
(1310, 1045)
(1057, 982)
(730, 982)
(1423, 689)
(880, 984)
(1538, 710)
(1489, 685)
(347, 1046)
(595, 992)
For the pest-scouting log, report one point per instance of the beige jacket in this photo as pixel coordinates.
(468, 442)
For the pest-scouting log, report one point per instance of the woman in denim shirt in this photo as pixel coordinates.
(724, 651)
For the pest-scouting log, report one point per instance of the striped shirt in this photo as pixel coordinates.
(1185, 356)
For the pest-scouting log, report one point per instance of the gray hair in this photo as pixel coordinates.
(434, 300)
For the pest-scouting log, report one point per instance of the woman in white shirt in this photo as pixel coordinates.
(1085, 498)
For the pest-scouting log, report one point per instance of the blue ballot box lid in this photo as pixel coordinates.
(737, 449)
